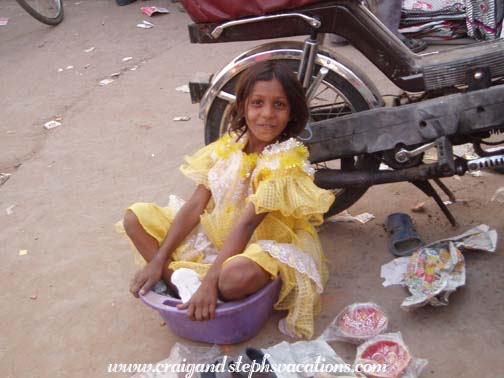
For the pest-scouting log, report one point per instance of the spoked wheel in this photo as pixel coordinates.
(334, 97)
(49, 12)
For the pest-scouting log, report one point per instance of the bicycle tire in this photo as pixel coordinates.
(48, 20)
(216, 125)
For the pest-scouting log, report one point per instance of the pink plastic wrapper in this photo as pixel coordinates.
(357, 323)
(149, 11)
(390, 356)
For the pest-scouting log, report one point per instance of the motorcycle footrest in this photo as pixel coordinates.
(485, 162)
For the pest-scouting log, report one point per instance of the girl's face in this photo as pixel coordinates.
(267, 112)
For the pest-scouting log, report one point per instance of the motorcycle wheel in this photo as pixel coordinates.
(334, 97)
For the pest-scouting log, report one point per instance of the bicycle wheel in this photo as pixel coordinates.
(49, 12)
(334, 97)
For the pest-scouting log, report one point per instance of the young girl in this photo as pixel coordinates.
(252, 215)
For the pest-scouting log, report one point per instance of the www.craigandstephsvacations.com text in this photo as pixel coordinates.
(188, 370)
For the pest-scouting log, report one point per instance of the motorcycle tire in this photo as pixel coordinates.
(218, 115)
(50, 14)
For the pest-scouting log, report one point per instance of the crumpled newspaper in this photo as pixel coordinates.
(435, 271)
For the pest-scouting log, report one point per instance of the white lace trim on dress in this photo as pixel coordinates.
(295, 258)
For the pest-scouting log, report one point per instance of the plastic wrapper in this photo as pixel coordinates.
(387, 356)
(432, 273)
(437, 270)
(316, 356)
(185, 358)
(357, 323)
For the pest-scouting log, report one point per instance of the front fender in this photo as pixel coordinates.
(287, 50)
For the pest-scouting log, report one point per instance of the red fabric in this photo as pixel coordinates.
(202, 11)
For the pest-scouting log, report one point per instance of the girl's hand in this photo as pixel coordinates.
(202, 304)
(145, 278)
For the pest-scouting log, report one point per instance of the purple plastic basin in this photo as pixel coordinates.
(234, 322)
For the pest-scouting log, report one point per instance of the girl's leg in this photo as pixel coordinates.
(146, 245)
(241, 277)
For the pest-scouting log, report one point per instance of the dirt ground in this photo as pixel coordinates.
(66, 310)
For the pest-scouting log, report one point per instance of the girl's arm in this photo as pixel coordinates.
(184, 222)
(202, 304)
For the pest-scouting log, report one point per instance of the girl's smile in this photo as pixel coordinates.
(267, 112)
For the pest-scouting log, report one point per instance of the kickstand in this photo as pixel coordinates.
(426, 187)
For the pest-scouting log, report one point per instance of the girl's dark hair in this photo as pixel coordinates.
(266, 71)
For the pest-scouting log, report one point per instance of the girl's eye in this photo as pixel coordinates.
(280, 104)
(256, 102)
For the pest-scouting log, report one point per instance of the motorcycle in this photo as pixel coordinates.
(450, 97)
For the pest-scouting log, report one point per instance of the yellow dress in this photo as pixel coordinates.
(279, 181)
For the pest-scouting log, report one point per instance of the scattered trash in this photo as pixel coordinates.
(127, 59)
(393, 272)
(10, 209)
(183, 88)
(52, 124)
(134, 68)
(162, 324)
(391, 357)
(115, 75)
(357, 323)
(69, 67)
(317, 355)
(458, 200)
(105, 82)
(4, 21)
(4, 177)
(499, 195)
(33, 297)
(308, 352)
(364, 217)
(58, 118)
(345, 216)
(87, 66)
(23, 252)
(149, 11)
(419, 208)
(10, 132)
(91, 49)
(435, 271)
(465, 150)
(476, 173)
(184, 118)
(60, 69)
(145, 25)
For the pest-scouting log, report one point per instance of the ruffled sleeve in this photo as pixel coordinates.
(196, 166)
(283, 182)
